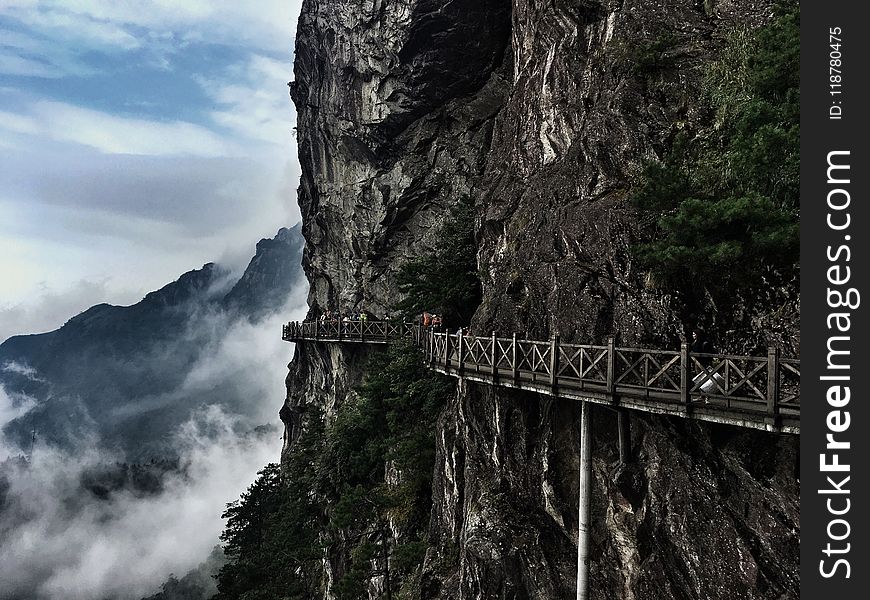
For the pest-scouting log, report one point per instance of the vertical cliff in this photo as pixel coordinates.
(542, 113)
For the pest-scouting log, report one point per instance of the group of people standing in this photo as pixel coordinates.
(328, 316)
(432, 320)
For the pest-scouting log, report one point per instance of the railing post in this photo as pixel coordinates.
(773, 385)
(514, 362)
(685, 397)
(554, 362)
(459, 351)
(317, 330)
(611, 368)
(446, 351)
(494, 356)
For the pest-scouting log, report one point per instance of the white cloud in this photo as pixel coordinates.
(19, 65)
(164, 194)
(78, 29)
(23, 54)
(118, 23)
(254, 100)
(20, 369)
(48, 308)
(132, 222)
(125, 546)
(12, 406)
(112, 134)
(18, 123)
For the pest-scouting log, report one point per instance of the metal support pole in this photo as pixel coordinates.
(624, 424)
(585, 493)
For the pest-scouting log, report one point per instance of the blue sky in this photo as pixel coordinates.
(138, 139)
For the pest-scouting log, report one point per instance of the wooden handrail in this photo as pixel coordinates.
(752, 391)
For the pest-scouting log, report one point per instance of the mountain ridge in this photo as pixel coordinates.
(92, 370)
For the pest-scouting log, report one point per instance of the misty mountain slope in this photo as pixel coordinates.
(269, 278)
(128, 374)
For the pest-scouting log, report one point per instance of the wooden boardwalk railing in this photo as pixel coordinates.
(747, 391)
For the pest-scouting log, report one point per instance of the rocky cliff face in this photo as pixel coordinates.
(543, 113)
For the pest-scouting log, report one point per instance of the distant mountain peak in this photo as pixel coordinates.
(106, 359)
(190, 285)
(270, 276)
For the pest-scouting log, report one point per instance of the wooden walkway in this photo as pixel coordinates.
(746, 391)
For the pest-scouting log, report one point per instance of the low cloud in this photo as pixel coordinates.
(127, 543)
(12, 406)
(20, 369)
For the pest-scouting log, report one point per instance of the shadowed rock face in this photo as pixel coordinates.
(396, 103)
(541, 113)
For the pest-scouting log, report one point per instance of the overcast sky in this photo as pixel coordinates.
(139, 139)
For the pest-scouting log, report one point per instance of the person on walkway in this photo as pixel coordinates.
(702, 345)
(709, 380)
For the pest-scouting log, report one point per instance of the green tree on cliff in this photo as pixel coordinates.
(382, 454)
(342, 489)
(726, 201)
(446, 280)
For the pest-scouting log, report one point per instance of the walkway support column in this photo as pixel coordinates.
(624, 425)
(585, 493)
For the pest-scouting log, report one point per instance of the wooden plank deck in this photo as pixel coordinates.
(746, 391)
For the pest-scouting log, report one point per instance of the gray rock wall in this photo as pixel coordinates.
(539, 111)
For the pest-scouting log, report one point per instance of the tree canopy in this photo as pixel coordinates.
(725, 200)
(446, 280)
